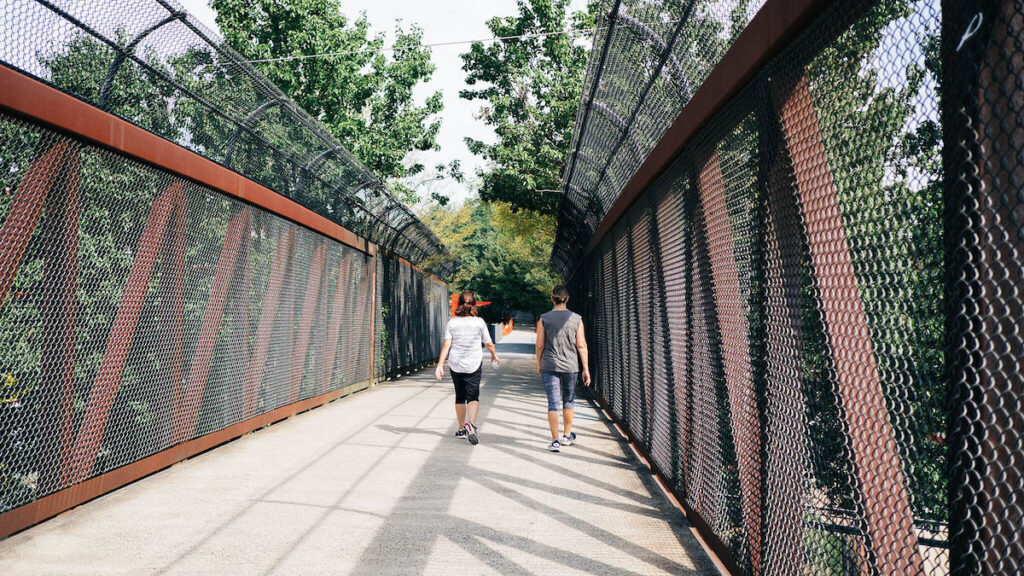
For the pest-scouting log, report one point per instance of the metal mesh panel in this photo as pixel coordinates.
(154, 65)
(983, 157)
(415, 307)
(139, 310)
(648, 60)
(812, 319)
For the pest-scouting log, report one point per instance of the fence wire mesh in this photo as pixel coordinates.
(139, 310)
(811, 321)
(648, 60)
(153, 64)
(414, 307)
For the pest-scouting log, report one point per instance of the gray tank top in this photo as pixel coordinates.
(560, 341)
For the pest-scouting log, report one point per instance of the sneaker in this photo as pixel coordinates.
(461, 434)
(568, 440)
(555, 446)
(471, 433)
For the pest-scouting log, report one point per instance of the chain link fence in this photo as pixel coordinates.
(141, 310)
(414, 307)
(146, 313)
(154, 65)
(647, 61)
(812, 319)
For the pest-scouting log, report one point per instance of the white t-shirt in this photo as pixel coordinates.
(467, 334)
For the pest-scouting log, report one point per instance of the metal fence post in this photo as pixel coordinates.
(983, 140)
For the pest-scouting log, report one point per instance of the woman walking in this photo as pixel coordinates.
(463, 336)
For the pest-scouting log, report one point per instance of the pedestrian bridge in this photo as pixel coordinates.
(794, 230)
(375, 483)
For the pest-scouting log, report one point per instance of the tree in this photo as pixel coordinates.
(531, 87)
(362, 96)
(502, 254)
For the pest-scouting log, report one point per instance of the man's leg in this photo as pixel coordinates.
(553, 423)
(553, 389)
(568, 382)
(460, 413)
(474, 409)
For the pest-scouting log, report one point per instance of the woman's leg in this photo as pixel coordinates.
(459, 380)
(472, 388)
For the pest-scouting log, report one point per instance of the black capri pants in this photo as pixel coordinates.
(467, 386)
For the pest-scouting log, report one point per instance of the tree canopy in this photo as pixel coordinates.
(503, 255)
(364, 97)
(531, 89)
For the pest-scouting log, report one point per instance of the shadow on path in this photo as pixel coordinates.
(517, 509)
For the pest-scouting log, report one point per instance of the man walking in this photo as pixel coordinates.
(561, 351)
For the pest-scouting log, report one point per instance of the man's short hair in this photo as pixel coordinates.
(560, 294)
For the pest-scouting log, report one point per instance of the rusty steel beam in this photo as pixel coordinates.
(24, 213)
(420, 270)
(309, 304)
(167, 391)
(883, 491)
(735, 335)
(256, 365)
(60, 321)
(334, 315)
(122, 334)
(186, 409)
(47, 105)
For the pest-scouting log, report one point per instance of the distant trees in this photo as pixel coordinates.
(502, 254)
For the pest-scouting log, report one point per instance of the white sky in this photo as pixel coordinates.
(442, 21)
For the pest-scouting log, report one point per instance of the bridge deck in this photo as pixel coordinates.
(376, 483)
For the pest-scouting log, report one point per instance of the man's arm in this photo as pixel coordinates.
(581, 348)
(540, 343)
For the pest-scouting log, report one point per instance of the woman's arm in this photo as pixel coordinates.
(581, 348)
(540, 343)
(485, 338)
(439, 371)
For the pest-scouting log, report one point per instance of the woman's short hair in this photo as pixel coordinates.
(560, 294)
(467, 304)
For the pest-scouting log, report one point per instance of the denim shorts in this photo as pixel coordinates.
(561, 389)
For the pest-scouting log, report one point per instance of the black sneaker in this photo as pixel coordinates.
(471, 433)
(554, 446)
(461, 434)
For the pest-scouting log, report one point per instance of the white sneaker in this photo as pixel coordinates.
(567, 440)
(471, 433)
(554, 446)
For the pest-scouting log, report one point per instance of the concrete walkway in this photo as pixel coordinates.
(376, 484)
